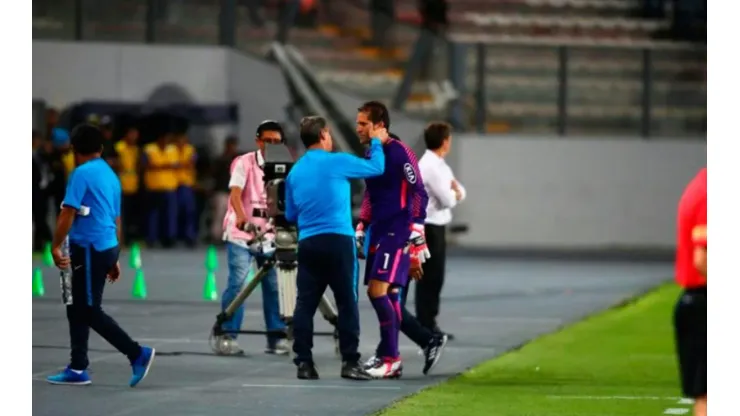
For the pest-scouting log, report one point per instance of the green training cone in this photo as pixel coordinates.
(210, 292)
(211, 259)
(38, 282)
(48, 259)
(134, 260)
(139, 289)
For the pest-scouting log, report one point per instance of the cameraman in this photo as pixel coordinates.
(247, 213)
(317, 197)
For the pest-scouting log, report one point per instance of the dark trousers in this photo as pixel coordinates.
(429, 288)
(40, 214)
(162, 211)
(131, 210)
(89, 273)
(186, 213)
(327, 260)
(382, 15)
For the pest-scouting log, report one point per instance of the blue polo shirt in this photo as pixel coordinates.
(317, 191)
(94, 185)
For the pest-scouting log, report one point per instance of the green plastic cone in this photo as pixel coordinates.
(139, 289)
(211, 259)
(38, 283)
(134, 260)
(48, 259)
(210, 292)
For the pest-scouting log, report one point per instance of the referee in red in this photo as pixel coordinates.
(690, 317)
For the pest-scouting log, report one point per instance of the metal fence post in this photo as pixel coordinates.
(480, 95)
(423, 46)
(647, 92)
(457, 72)
(151, 21)
(79, 20)
(562, 90)
(227, 23)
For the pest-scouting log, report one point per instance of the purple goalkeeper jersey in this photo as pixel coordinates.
(397, 198)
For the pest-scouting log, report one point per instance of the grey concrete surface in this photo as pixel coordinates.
(490, 304)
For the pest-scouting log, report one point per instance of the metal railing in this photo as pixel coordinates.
(635, 76)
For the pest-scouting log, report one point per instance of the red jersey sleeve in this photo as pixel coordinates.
(699, 232)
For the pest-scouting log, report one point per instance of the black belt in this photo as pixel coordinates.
(259, 213)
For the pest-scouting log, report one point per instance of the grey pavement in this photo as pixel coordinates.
(491, 305)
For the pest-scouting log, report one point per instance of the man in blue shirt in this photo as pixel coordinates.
(91, 219)
(317, 198)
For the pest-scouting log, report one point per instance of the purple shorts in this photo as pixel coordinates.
(388, 261)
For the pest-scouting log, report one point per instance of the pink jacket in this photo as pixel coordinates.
(246, 173)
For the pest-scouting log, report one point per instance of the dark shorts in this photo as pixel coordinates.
(388, 261)
(690, 321)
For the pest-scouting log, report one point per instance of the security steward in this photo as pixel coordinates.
(690, 316)
(91, 217)
(317, 198)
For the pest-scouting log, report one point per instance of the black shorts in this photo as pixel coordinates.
(690, 321)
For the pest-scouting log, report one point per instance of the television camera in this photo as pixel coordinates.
(283, 256)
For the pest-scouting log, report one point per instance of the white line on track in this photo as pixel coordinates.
(612, 398)
(320, 386)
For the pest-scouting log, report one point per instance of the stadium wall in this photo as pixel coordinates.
(573, 195)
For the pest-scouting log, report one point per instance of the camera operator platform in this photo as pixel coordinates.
(274, 244)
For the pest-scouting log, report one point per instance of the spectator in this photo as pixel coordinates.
(129, 169)
(222, 175)
(434, 24)
(40, 198)
(382, 14)
(62, 163)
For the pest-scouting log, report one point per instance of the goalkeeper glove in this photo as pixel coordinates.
(418, 243)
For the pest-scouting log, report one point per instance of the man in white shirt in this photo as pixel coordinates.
(445, 192)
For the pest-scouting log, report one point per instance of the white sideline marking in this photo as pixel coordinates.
(686, 401)
(511, 319)
(613, 397)
(318, 386)
(676, 411)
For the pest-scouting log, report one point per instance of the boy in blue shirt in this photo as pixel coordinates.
(91, 219)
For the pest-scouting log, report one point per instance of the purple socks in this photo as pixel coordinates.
(390, 323)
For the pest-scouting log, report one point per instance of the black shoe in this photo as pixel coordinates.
(433, 352)
(438, 331)
(354, 371)
(307, 371)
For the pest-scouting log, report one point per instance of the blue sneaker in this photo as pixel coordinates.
(141, 366)
(71, 378)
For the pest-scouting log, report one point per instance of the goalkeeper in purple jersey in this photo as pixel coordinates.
(393, 213)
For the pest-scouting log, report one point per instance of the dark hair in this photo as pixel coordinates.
(311, 128)
(270, 125)
(87, 139)
(376, 112)
(436, 133)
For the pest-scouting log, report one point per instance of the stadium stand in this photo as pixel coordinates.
(524, 39)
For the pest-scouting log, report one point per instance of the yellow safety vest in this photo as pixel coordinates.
(186, 174)
(161, 179)
(129, 160)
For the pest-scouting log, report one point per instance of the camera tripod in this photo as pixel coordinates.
(286, 264)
